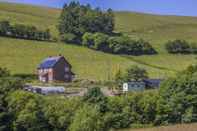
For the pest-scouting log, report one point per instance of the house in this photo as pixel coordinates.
(141, 85)
(55, 69)
(134, 86)
(45, 90)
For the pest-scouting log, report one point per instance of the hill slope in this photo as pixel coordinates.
(23, 56)
(20, 57)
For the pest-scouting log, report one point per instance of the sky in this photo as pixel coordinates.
(163, 7)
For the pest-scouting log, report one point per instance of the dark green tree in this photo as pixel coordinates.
(78, 19)
(178, 46)
(87, 118)
(177, 99)
(7, 85)
(136, 73)
(95, 96)
(4, 72)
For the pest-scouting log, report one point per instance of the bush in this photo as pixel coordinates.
(178, 99)
(95, 96)
(88, 40)
(87, 118)
(4, 72)
(117, 45)
(133, 73)
(178, 46)
(23, 31)
(69, 37)
(136, 73)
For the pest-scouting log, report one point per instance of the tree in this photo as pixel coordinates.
(60, 112)
(95, 96)
(4, 28)
(87, 118)
(88, 40)
(136, 73)
(23, 31)
(31, 117)
(4, 72)
(7, 85)
(119, 79)
(177, 99)
(178, 46)
(78, 19)
(100, 42)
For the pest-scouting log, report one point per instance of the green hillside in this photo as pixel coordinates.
(22, 56)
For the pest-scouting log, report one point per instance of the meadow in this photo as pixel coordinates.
(23, 56)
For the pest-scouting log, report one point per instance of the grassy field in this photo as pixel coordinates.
(21, 56)
(182, 127)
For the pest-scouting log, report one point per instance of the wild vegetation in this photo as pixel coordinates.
(23, 32)
(174, 102)
(181, 46)
(76, 19)
(94, 28)
(117, 44)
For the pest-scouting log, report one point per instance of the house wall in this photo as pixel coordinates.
(45, 75)
(62, 71)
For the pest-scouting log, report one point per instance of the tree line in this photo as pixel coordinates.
(181, 47)
(23, 31)
(117, 44)
(174, 102)
(94, 28)
(77, 19)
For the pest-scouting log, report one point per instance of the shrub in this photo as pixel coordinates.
(88, 40)
(87, 118)
(23, 31)
(4, 72)
(178, 46)
(95, 96)
(69, 37)
(117, 45)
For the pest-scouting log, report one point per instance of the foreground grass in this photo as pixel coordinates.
(182, 127)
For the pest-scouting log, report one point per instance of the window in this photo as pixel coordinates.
(66, 76)
(67, 69)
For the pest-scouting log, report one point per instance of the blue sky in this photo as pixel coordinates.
(165, 7)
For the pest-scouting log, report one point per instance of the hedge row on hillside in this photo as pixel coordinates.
(117, 44)
(181, 46)
(23, 31)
